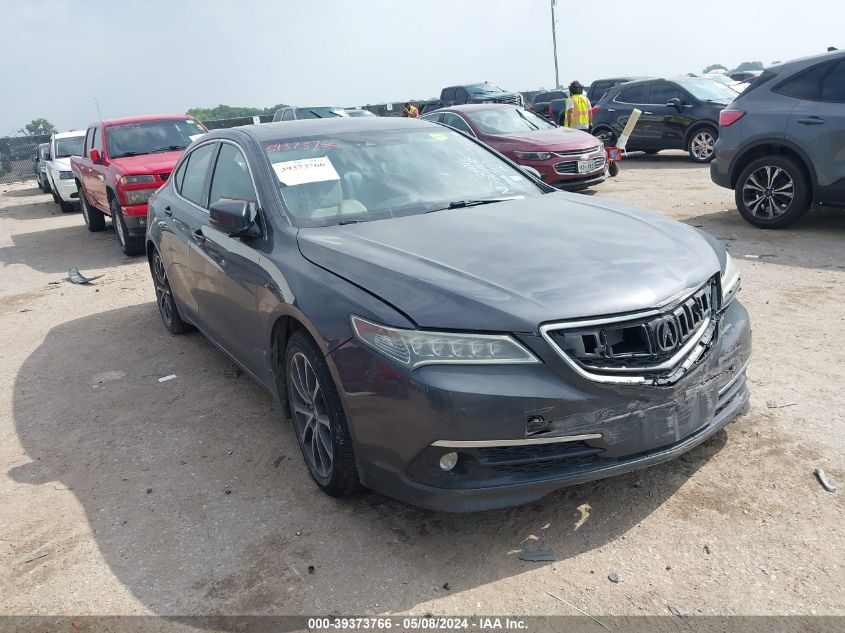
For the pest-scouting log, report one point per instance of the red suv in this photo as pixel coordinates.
(565, 158)
(123, 162)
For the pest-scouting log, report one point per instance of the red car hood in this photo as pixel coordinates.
(561, 138)
(147, 163)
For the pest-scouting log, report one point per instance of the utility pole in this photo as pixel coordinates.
(554, 44)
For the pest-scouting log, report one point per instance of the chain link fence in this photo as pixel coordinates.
(18, 157)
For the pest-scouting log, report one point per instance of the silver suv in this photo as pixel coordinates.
(781, 141)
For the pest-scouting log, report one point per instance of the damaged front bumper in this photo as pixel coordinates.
(521, 432)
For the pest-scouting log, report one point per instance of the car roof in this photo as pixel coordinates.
(305, 127)
(810, 60)
(70, 134)
(474, 107)
(150, 117)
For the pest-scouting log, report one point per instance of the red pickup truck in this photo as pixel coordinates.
(123, 162)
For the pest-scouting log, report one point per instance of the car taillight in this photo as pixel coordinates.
(729, 117)
(595, 109)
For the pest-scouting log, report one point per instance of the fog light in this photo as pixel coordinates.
(448, 461)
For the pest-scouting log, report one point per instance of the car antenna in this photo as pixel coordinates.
(99, 116)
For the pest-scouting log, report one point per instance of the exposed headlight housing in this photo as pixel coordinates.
(137, 180)
(533, 155)
(138, 196)
(730, 280)
(415, 348)
(65, 175)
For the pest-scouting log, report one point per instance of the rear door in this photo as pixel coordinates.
(227, 293)
(620, 109)
(817, 124)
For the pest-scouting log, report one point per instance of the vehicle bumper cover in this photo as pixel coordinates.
(66, 190)
(396, 416)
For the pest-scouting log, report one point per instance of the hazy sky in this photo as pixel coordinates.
(145, 56)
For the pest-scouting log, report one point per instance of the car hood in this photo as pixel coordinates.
(147, 163)
(561, 138)
(513, 265)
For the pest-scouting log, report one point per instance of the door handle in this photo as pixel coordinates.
(647, 112)
(611, 109)
(197, 236)
(168, 212)
(812, 120)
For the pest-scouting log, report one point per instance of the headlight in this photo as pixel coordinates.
(65, 175)
(415, 348)
(730, 280)
(138, 196)
(136, 180)
(533, 155)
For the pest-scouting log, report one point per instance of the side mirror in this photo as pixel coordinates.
(532, 172)
(674, 102)
(95, 156)
(232, 217)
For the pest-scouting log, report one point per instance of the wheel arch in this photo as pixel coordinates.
(695, 127)
(780, 147)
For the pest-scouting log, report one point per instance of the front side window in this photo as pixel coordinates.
(89, 136)
(97, 140)
(377, 175)
(634, 94)
(705, 89)
(193, 182)
(152, 137)
(661, 93)
(231, 179)
(456, 122)
(67, 147)
(507, 121)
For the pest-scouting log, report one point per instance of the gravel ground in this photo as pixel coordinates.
(124, 495)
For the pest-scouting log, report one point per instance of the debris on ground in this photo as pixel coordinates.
(822, 476)
(166, 378)
(613, 577)
(706, 549)
(60, 487)
(675, 610)
(311, 569)
(76, 277)
(446, 586)
(149, 491)
(278, 461)
(752, 257)
(772, 404)
(579, 610)
(537, 556)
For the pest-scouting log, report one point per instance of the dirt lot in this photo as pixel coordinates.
(124, 495)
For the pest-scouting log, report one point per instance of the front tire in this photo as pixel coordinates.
(701, 144)
(94, 218)
(66, 207)
(318, 418)
(772, 192)
(130, 244)
(164, 297)
(605, 135)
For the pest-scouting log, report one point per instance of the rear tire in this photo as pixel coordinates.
(772, 192)
(66, 207)
(606, 135)
(130, 244)
(701, 142)
(164, 297)
(318, 418)
(94, 218)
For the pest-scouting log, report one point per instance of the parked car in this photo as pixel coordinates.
(744, 75)
(309, 112)
(781, 141)
(42, 155)
(600, 86)
(541, 103)
(358, 112)
(478, 93)
(439, 326)
(123, 162)
(681, 113)
(564, 157)
(64, 145)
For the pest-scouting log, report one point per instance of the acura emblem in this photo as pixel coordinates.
(666, 334)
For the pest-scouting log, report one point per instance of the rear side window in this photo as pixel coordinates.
(806, 84)
(634, 94)
(449, 94)
(193, 181)
(834, 84)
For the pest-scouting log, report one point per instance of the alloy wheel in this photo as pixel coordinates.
(162, 287)
(768, 191)
(310, 415)
(702, 144)
(118, 227)
(84, 206)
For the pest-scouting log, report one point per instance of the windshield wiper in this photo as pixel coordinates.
(127, 154)
(462, 204)
(317, 114)
(169, 148)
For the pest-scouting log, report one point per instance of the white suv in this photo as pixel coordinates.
(63, 145)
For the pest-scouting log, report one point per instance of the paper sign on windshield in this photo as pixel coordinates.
(305, 170)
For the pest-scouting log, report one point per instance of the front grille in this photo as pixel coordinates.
(164, 177)
(510, 99)
(653, 344)
(571, 166)
(577, 152)
(525, 460)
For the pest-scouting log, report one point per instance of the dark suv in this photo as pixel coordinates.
(780, 143)
(478, 93)
(600, 86)
(680, 113)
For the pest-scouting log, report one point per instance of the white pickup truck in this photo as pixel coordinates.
(63, 145)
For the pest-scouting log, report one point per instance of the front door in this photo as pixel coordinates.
(666, 125)
(95, 187)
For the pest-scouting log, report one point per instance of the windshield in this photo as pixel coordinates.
(319, 113)
(483, 89)
(71, 146)
(151, 137)
(507, 121)
(707, 89)
(356, 113)
(363, 176)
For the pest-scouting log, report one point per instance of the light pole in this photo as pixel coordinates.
(554, 44)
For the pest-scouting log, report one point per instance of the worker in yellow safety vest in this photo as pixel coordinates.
(578, 112)
(410, 111)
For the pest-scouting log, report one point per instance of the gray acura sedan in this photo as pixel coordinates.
(441, 326)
